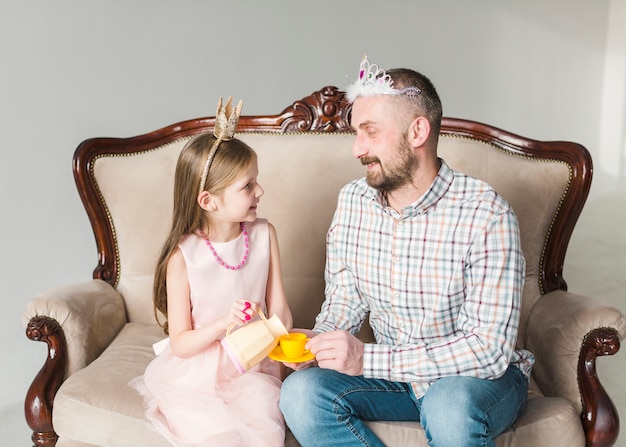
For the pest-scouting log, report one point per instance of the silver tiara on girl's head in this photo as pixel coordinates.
(375, 81)
(226, 119)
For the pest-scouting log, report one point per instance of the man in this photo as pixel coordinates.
(434, 258)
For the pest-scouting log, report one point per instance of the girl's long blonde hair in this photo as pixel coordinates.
(230, 160)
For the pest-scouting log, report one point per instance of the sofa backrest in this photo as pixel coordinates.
(304, 159)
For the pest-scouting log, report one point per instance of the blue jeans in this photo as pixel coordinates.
(323, 407)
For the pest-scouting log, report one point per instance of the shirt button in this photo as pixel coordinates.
(401, 222)
(401, 325)
(397, 259)
(396, 295)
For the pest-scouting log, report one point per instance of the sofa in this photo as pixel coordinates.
(100, 332)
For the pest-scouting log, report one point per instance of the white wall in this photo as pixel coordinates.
(71, 69)
(611, 154)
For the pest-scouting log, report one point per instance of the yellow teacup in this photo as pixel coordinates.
(293, 344)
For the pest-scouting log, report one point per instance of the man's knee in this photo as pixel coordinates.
(448, 393)
(477, 409)
(449, 413)
(299, 389)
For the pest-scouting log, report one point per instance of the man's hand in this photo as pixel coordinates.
(338, 350)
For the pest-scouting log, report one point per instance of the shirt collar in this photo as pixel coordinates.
(429, 199)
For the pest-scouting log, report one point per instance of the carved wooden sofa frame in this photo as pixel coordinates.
(325, 112)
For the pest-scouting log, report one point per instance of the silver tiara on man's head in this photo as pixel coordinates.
(373, 81)
(226, 119)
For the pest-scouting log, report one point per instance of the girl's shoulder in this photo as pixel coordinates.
(191, 244)
(259, 226)
(187, 239)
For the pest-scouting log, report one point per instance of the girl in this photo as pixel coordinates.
(219, 265)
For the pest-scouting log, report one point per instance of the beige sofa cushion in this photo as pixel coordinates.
(100, 393)
(546, 422)
(140, 212)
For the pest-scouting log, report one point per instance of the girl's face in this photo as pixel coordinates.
(238, 201)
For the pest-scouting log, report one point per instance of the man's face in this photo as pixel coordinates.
(381, 143)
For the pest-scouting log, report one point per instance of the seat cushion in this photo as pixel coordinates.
(95, 406)
(546, 422)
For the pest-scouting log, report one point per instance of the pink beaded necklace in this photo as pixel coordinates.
(219, 260)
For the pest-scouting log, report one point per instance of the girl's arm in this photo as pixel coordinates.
(275, 294)
(184, 340)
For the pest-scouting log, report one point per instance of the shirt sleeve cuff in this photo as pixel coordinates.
(377, 361)
(319, 328)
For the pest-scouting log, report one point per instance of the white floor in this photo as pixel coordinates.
(595, 266)
(13, 430)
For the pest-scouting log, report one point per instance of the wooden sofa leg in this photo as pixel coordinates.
(40, 395)
(599, 417)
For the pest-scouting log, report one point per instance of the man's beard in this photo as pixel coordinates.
(395, 177)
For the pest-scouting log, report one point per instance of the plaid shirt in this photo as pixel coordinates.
(441, 281)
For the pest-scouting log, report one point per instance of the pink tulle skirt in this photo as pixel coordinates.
(204, 401)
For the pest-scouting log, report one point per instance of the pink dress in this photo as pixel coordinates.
(203, 400)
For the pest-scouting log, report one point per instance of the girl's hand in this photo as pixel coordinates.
(242, 312)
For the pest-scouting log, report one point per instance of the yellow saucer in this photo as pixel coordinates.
(278, 355)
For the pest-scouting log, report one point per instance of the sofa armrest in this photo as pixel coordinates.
(558, 325)
(90, 315)
(567, 332)
(77, 323)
